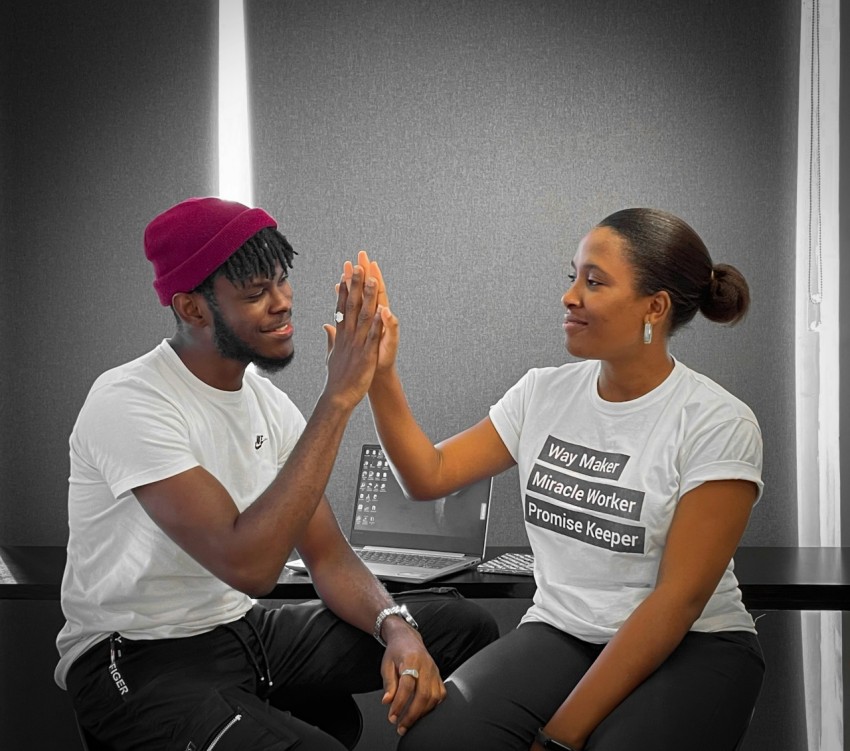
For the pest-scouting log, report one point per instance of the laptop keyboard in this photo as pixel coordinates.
(521, 564)
(405, 559)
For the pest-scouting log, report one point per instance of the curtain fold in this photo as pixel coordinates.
(817, 355)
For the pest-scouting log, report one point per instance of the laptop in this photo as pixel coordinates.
(413, 541)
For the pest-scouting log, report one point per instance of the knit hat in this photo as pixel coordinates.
(189, 241)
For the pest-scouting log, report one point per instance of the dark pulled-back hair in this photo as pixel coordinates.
(667, 254)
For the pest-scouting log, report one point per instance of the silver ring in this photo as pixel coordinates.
(412, 672)
(339, 316)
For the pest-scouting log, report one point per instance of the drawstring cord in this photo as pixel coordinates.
(269, 681)
(263, 672)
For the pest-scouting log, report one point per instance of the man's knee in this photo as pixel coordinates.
(452, 627)
(465, 617)
(480, 626)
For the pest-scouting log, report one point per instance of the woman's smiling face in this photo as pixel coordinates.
(605, 315)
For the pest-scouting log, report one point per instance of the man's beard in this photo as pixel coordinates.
(229, 345)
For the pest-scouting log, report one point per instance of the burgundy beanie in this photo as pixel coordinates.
(189, 241)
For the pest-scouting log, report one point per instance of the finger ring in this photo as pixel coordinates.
(339, 317)
(412, 672)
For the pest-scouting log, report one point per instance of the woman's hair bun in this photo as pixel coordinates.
(727, 296)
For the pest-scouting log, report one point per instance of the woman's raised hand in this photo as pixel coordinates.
(388, 347)
(355, 338)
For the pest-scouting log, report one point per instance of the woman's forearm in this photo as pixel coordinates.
(644, 641)
(410, 451)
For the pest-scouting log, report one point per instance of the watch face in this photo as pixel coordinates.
(408, 617)
(550, 743)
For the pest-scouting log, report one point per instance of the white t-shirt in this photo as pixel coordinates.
(145, 421)
(601, 481)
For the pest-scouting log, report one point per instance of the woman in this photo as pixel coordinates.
(638, 478)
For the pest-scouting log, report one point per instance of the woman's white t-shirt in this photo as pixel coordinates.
(600, 483)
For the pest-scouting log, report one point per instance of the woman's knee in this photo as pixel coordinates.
(445, 728)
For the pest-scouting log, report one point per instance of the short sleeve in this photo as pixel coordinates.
(295, 420)
(509, 413)
(132, 435)
(728, 450)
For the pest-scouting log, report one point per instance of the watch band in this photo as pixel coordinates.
(399, 610)
(548, 742)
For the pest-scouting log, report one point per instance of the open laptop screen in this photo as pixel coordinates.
(383, 516)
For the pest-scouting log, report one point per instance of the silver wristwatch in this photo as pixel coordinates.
(399, 610)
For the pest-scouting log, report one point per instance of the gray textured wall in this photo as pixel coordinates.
(108, 116)
(468, 145)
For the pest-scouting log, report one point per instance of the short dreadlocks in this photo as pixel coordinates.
(257, 257)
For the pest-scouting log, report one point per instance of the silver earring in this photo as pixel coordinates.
(647, 333)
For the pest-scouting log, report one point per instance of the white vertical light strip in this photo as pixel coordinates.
(235, 181)
(816, 354)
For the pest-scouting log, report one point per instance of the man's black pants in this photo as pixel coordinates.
(210, 691)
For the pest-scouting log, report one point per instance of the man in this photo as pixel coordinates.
(192, 480)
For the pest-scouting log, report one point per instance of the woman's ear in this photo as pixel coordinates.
(660, 308)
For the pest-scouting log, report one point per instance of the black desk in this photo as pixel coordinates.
(771, 578)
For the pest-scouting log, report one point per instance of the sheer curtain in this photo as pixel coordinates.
(817, 352)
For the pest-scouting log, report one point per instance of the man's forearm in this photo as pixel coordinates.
(347, 587)
(268, 530)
